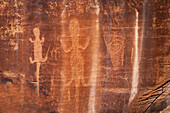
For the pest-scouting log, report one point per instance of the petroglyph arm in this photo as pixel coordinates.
(43, 39)
(32, 41)
(32, 61)
(44, 59)
(86, 44)
(66, 49)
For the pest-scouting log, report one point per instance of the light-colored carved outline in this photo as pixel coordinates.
(55, 53)
(37, 54)
(76, 59)
(116, 51)
(116, 45)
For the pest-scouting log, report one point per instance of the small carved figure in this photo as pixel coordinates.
(13, 29)
(55, 52)
(37, 53)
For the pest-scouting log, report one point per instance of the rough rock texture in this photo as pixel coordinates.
(84, 56)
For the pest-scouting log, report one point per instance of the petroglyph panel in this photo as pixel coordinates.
(84, 56)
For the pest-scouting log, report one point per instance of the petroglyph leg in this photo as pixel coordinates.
(37, 74)
(77, 99)
(82, 77)
(64, 79)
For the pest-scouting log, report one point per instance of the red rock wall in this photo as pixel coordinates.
(95, 56)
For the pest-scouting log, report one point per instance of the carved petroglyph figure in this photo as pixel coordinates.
(76, 58)
(37, 53)
(13, 29)
(115, 47)
(55, 52)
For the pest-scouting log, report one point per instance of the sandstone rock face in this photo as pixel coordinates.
(84, 56)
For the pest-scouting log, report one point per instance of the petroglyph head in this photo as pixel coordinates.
(74, 28)
(115, 45)
(36, 32)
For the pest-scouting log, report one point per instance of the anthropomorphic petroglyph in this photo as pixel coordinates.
(37, 53)
(114, 33)
(115, 48)
(76, 58)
